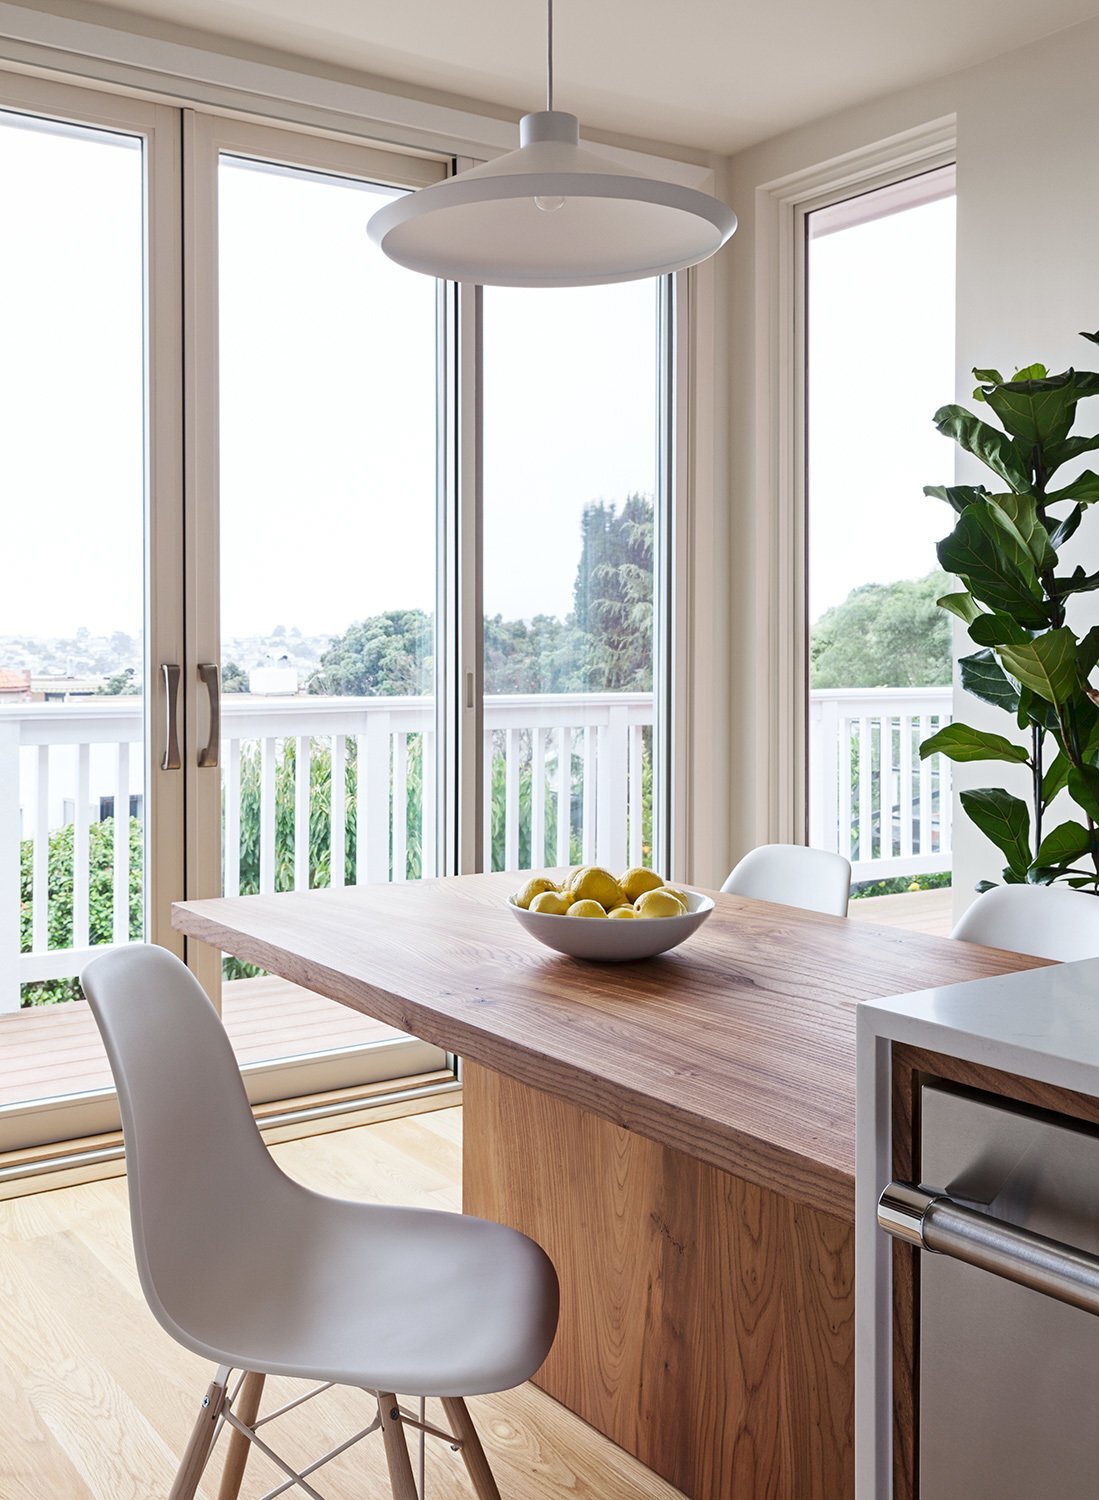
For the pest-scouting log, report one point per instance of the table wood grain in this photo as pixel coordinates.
(737, 1048)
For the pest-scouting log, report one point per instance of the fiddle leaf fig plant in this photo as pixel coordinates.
(1005, 550)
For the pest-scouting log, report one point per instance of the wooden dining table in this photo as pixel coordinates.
(678, 1133)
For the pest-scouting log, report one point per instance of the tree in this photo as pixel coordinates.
(234, 679)
(118, 684)
(387, 655)
(613, 597)
(884, 635)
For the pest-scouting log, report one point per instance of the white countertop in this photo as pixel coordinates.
(1040, 1023)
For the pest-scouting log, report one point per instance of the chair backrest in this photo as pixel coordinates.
(1049, 921)
(200, 1177)
(791, 874)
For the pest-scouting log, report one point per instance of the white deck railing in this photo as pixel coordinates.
(569, 772)
(870, 796)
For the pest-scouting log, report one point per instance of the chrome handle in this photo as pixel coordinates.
(935, 1222)
(208, 755)
(171, 760)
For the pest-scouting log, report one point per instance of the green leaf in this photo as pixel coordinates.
(987, 553)
(983, 676)
(987, 377)
(963, 605)
(1021, 513)
(994, 448)
(1039, 410)
(1078, 582)
(1029, 372)
(1085, 488)
(1056, 777)
(984, 885)
(1087, 652)
(1063, 530)
(1005, 820)
(960, 742)
(958, 496)
(1072, 447)
(1067, 842)
(1092, 337)
(1083, 787)
(1046, 665)
(997, 629)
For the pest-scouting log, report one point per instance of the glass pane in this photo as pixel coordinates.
(881, 341)
(570, 486)
(72, 604)
(328, 507)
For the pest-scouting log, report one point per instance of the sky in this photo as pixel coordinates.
(327, 403)
(881, 362)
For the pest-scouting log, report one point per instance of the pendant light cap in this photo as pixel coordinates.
(549, 125)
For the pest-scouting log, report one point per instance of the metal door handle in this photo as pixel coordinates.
(171, 760)
(933, 1221)
(208, 755)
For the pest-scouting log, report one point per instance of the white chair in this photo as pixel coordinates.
(262, 1276)
(793, 875)
(1048, 921)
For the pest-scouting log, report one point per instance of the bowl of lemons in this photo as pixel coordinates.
(595, 915)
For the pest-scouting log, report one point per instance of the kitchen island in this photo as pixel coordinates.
(678, 1133)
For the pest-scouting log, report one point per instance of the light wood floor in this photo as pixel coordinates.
(98, 1401)
(919, 911)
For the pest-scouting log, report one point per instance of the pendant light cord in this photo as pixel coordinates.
(549, 55)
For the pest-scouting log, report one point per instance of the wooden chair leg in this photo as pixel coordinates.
(461, 1424)
(246, 1407)
(396, 1449)
(197, 1453)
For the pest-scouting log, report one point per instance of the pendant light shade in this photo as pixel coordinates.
(551, 214)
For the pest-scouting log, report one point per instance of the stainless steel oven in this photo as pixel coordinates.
(1008, 1206)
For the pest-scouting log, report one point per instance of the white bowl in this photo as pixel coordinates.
(612, 940)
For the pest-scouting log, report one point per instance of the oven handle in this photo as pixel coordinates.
(933, 1221)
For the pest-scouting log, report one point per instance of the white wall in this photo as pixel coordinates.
(1028, 232)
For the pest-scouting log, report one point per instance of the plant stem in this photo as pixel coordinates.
(1038, 735)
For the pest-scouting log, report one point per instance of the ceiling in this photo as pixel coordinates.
(716, 75)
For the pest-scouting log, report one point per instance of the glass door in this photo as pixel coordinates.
(321, 512)
(573, 528)
(89, 472)
(880, 280)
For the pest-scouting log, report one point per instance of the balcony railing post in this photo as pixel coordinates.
(10, 898)
(612, 774)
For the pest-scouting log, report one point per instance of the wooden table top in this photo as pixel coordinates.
(737, 1047)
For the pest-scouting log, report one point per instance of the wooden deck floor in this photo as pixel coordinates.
(55, 1050)
(51, 1050)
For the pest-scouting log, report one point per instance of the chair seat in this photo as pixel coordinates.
(393, 1299)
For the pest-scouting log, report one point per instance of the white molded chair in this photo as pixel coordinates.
(262, 1276)
(1049, 921)
(793, 875)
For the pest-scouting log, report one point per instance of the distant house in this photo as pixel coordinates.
(62, 689)
(15, 685)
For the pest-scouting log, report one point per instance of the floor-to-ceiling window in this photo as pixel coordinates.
(572, 530)
(226, 358)
(880, 361)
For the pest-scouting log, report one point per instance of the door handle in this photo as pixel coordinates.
(171, 760)
(933, 1221)
(209, 674)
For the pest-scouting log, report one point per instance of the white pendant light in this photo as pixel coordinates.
(551, 214)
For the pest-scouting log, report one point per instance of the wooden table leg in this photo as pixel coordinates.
(246, 1408)
(707, 1323)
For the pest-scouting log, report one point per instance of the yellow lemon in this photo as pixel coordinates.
(595, 884)
(680, 896)
(551, 903)
(658, 904)
(535, 886)
(638, 880)
(622, 911)
(585, 908)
